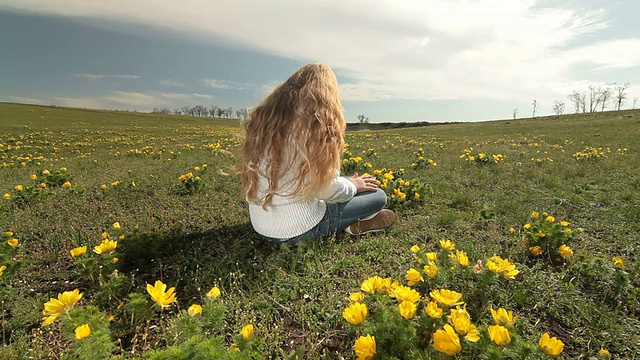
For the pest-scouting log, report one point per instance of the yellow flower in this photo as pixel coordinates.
(105, 247)
(365, 347)
(447, 244)
(527, 226)
(44, 185)
(114, 260)
(499, 335)
(604, 354)
(461, 322)
(618, 262)
(105, 234)
(565, 252)
(213, 294)
(415, 249)
(534, 215)
(372, 284)
(160, 295)
(116, 226)
(535, 250)
(19, 187)
(407, 309)
(33, 177)
(355, 313)
(405, 293)
(540, 234)
(431, 256)
(550, 219)
(512, 231)
(447, 341)
(2, 269)
(502, 266)
(446, 297)
(115, 183)
(13, 242)
(550, 345)
(247, 332)
(433, 310)
(413, 277)
(564, 223)
(431, 270)
(45, 172)
(66, 185)
(356, 297)
(194, 310)
(81, 250)
(60, 306)
(6, 196)
(460, 257)
(82, 331)
(103, 186)
(504, 318)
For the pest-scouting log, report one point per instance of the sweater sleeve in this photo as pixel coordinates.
(339, 190)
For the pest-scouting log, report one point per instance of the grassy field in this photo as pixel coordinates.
(124, 167)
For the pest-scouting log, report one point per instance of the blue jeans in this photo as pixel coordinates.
(338, 217)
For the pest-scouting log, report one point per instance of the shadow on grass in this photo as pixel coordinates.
(196, 260)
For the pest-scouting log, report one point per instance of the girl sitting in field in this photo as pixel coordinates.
(291, 165)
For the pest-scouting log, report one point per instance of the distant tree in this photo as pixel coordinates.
(620, 94)
(635, 101)
(229, 112)
(219, 112)
(186, 110)
(363, 119)
(198, 110)
(593, 97)
(605, 95)
(558, 107)
(213, 111)
(579, 100)
(177, 112)
(535, 107)
(515, 113)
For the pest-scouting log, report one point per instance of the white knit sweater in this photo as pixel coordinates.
(289, 216)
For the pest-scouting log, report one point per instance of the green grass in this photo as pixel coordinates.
(294, 295)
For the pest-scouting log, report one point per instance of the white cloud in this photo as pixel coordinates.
(100, 77)
(223, 84)
(170, 83)
(478, 49)
(89, 103)
(151, 99)
(25, 100)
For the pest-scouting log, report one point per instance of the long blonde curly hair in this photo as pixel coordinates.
(298, 127)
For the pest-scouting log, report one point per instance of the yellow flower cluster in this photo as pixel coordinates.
(450, 332)
(354, 164)
(545, 236)
(483, 158)
(591, 153)
(421, 162)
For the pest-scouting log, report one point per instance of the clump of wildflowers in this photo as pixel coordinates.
(9, 248)
(591, 153)
(354, 164)
(421, 162)
(192, 183)
(482, 158)
(547, 238)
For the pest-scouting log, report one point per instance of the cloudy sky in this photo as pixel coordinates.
(396, 60)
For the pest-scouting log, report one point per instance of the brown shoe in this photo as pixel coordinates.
(380, 222)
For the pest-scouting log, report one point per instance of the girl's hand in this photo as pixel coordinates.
(364, 183)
